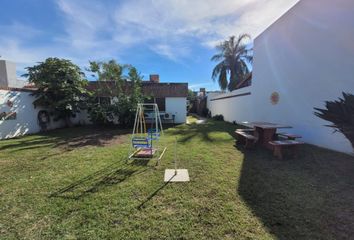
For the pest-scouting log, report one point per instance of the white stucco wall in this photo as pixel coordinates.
(177, 106)
(232, 108)
(307, 56)
(26, 115)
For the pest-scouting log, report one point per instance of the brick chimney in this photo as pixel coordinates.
(202, 91)
(155, 78)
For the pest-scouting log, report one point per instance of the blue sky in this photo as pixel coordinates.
(173, 38)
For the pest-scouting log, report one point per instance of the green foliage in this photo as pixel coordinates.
(107, 71)
(126, 93)
(206, 112)
(100, 114)
(218, 117)
(61, 87)
(192, 96)
(341, 114)
(233, 56)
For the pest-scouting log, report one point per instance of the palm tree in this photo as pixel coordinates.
(233, 56)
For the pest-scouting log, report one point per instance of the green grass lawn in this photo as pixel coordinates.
(75, 184)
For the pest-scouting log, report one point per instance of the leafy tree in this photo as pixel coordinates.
(60, 87)
(233, 57)
(191, 101)
(125, 91)
(341, 114)
(127, 101)
(191, 95)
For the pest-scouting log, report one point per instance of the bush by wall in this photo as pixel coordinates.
(219, 117)
(341, 114)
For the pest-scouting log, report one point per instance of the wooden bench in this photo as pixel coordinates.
(279, 146)
(289, 136)
(245, 136)
(249, 130)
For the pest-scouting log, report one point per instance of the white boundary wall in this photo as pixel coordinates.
(26, 115)
(307, 56)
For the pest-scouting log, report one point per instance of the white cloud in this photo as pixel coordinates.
(210, 21)
(83, 21)
(173, 53)
(171, 28)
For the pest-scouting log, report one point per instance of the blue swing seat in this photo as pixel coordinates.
(141, 142)
(153, 134)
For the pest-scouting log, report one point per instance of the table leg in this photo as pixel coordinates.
(268, 135)
(293, 151)
(277, 152)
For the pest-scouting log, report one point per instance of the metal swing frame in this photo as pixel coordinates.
(146, 139)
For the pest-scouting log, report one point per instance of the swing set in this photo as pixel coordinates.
(145, 142)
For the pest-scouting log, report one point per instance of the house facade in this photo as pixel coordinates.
(18, 116)
(171, 98)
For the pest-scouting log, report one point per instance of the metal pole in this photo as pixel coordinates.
(141, 122)
(135, 122)
(159, 118)
(176, 156)
(156, 120)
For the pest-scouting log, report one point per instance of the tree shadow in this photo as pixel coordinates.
(23, 143)
(187, 132)
(68, 139)
(153, 194)
(310, 196)
(111, 175)
(71, 138)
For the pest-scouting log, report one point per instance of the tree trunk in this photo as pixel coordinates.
(233, 81)
(68, 122)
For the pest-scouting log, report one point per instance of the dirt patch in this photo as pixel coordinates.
(98, 137)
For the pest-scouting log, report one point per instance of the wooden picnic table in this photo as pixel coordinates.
(266, 131)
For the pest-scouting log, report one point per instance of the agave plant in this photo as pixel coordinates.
(341, 114)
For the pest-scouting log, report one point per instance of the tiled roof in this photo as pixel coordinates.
(18, 89)
(165, 89)
(149, 88)
(107, 88)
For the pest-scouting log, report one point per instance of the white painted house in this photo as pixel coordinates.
(18, 115)
(307, 57)
(171, 98)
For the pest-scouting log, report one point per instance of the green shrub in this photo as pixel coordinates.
(218, 117)
(100, 114)
(341, 114)
(205, 112)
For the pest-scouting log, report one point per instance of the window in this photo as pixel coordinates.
(161, 102)
(104, 101)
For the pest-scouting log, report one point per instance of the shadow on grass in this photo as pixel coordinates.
(152, 195)
(307, 197)
(194, 130)
(72, 138)
(108, 176)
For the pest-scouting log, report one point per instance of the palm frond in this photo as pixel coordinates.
(222, 80)
(234, 55)
(217, 57)
(217, 70)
